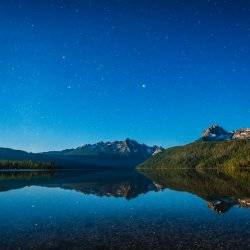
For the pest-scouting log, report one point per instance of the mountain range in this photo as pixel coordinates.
(116, 154)
(217, 133)
(216, 147)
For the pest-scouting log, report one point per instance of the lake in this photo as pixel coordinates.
(124, 210)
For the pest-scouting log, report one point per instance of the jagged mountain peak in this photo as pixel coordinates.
(216, 133)
(214, 130)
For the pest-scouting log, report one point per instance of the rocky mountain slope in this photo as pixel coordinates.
(242, 134)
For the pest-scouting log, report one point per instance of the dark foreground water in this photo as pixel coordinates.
(124, 210)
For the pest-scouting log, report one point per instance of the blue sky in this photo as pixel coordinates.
(75, 72)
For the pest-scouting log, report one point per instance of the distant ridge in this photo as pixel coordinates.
(127, 153)
(217, 133)
(118, 154)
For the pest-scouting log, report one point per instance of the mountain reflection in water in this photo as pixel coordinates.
(124, 210)
(128, 184)
(219, 189)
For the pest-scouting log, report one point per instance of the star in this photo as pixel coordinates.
(143, 86)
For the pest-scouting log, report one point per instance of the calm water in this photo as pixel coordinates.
(124, 210)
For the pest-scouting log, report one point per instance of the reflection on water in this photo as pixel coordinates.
(128, 184)
(221, 189)
(125, 209)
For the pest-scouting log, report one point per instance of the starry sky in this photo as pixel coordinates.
(80, 71)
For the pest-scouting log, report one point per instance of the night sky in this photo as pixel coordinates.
(75, 72)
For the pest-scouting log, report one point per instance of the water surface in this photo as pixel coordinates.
(125, 210)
